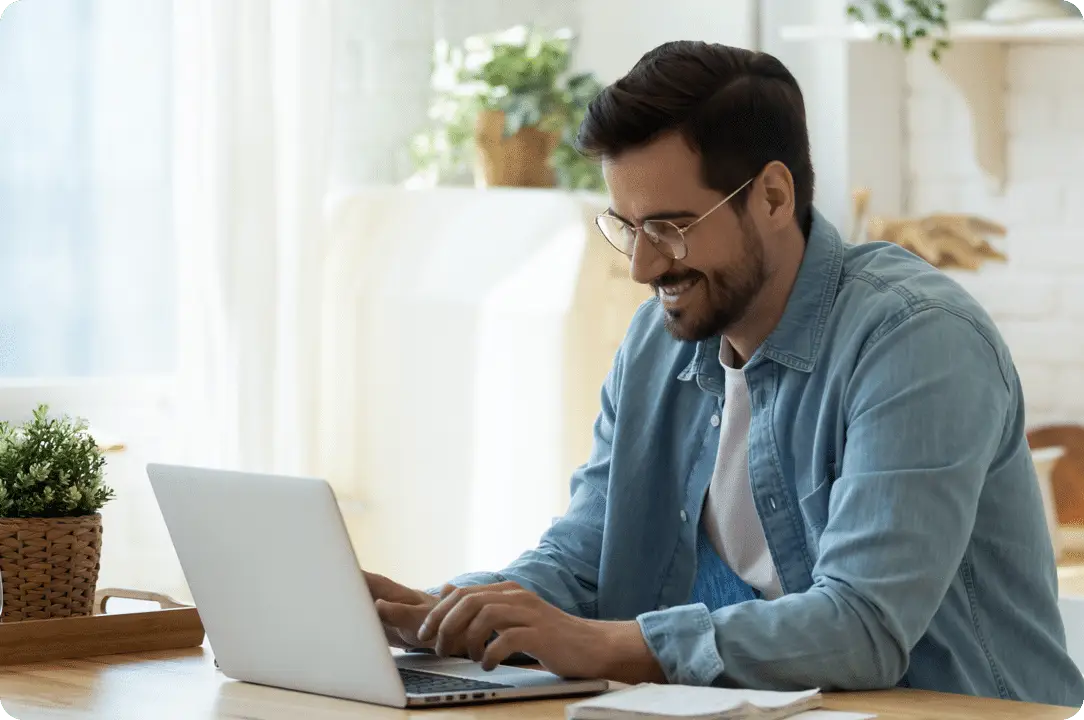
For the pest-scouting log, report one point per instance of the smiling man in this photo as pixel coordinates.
(810, 466)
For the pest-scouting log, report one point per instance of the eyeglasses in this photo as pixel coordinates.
(668, 238)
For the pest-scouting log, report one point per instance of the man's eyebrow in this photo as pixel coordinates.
(665, 215)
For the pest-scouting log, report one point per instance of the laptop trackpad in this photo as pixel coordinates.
(466, 668)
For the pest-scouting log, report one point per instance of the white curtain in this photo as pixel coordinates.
(253, 122)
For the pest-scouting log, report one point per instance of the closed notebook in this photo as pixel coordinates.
(685, 702)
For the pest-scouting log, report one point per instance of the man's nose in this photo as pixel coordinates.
(648, 262)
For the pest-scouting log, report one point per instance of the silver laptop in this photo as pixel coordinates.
(273, 573)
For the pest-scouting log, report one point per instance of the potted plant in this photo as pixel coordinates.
(505, 113)
(51, 490)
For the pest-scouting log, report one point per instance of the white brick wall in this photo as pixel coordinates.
(1037, 298)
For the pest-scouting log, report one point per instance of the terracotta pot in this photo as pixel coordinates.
(49, 566)
(522, 160)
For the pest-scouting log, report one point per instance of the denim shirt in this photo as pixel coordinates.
(889, 466)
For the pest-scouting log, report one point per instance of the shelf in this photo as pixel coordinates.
(1068, 30)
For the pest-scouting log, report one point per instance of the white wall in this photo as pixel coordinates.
(820, 69)
(616, 33)
(1037, 298)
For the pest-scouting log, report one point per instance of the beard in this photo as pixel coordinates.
(729, 293)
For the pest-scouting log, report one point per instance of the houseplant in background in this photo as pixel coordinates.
(505, 113)
(51, 489)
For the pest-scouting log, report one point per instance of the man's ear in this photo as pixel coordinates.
(778, 197)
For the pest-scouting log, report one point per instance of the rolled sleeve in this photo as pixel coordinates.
(683, 641)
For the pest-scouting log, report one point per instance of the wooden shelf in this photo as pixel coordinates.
(1068, 30)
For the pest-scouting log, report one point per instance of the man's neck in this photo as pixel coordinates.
(767, 309)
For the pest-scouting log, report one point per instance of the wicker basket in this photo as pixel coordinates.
(522, 160)
(49, 566)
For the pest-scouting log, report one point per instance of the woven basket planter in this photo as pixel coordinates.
(522, 160)
(49, 566)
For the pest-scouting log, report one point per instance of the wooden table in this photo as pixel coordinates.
(184, 685)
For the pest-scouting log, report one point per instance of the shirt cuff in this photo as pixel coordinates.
(683, 641)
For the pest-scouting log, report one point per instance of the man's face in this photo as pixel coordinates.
(712, 287)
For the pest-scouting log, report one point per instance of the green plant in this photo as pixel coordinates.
(50, 467)
(905, 21)
(523, 72)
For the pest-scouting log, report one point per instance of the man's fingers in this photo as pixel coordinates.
(382, 588)
(490, 619)
(450, 596)
(458, 607)
(401, 615)
(449, 633)
(510, 642)
(453, 630)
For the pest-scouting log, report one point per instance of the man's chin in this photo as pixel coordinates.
(685, 327)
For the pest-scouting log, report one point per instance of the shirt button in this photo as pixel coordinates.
(684, 516)
(715, 421)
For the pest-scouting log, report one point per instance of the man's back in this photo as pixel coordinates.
(890, 470)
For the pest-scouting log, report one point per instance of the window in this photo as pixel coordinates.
(86, 266)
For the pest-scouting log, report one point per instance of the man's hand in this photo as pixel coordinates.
(466, 619)
(401, 609)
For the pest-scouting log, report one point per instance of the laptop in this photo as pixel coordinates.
(285, 604)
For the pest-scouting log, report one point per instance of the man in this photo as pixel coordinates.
(810, 466)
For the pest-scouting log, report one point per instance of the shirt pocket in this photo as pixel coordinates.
(814, 507)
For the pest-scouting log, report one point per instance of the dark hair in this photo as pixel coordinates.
(739, 109)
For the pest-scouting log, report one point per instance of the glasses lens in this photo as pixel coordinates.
(666, 236)
(617, 233)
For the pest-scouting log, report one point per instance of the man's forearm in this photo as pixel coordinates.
(811, 639)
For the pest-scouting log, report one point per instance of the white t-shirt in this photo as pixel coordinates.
(730, 517)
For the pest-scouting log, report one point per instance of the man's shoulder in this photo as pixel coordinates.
(883, 285)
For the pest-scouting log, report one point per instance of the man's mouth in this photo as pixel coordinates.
(672, 290)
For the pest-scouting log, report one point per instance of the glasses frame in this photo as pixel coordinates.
(680, 248)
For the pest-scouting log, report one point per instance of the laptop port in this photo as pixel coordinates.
(478, 696)
(463, 696)
(449, 697)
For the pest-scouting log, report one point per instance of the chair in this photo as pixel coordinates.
(1068, 475)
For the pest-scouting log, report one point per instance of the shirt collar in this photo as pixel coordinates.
(796, 339)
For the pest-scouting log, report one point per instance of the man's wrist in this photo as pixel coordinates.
(625, 655)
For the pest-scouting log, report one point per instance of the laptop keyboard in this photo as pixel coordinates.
(418, 682)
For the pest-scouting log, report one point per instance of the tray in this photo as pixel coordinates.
(168, 627)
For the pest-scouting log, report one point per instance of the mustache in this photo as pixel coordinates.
(674, 279)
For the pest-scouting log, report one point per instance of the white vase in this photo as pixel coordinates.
(1018, 11)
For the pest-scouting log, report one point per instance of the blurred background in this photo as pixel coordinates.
(350, 239)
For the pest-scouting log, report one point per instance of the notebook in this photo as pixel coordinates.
(685, 702)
